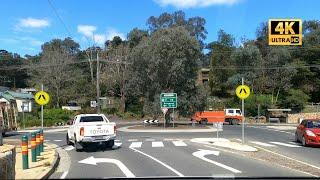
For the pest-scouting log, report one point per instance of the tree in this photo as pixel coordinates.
(55, 70)
(295, 99)
(135, 36)
(13, 72)
(219, 53)
(194, 25)
(115, 73)
(167, 62)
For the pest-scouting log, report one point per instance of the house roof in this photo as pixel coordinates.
(3, 88)
(11, 95)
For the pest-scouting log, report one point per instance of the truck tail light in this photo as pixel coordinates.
(82, 131)
(114, 129)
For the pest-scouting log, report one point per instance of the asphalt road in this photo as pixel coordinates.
(173, 155)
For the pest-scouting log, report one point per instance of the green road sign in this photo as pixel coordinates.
(168, 100)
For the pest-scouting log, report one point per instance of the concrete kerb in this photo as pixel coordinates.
(224, 143)
(49, 172)
(126, 129)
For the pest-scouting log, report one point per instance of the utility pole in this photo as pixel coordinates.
(98, 84)
(243, 116)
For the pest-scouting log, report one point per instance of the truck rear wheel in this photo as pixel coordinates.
(204, 121)
(233, 122)
(110, 144)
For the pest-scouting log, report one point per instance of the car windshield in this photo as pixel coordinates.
(313, 124)
(159, 89)
(91, 119)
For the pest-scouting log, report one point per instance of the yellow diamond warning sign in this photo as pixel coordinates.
(243, 91)
(42, 98)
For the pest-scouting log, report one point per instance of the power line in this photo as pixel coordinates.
(59, 17)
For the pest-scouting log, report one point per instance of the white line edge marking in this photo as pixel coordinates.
(284, 144)
(57, 140)
(157, 144)
(263, 144)
(64, 175)
(294, 160)
(158, 161)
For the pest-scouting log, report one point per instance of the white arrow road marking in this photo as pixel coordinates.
(135, 145)
(179, 143)
(157, 144)
(263, 144)
(201, 153)
(284, 144)
(93, 161)
(64, 174)
(158, 161)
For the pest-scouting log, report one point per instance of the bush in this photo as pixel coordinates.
(50, 117)
(110, 111)
(128, 115)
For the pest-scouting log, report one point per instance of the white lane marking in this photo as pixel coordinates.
(63, 176)
(201, 153)
(135, 145)
(271, 129)
(46, 140)
(122, 167)
(57, 140)
(179, 143)
(263, 144)
(158, 161)
(284, 144)
(69, 148)
(149, 139)
(157, 144)
(132, 140)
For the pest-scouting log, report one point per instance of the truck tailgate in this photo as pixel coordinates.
(97, 129)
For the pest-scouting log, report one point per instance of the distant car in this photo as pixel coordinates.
(308, 132)
(87, 129)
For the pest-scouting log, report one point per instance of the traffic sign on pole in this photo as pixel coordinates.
(164, 110)
(42, 98)
(168, 100)
(243, 91)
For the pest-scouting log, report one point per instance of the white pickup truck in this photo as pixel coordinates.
(91, 128)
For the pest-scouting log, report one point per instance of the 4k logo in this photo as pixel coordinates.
(285, 32)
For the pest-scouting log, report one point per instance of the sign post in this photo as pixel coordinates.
(42, 98)
(242, 92)
(168, 100)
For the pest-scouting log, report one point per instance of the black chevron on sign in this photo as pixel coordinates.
(244, 90)
(42, 97)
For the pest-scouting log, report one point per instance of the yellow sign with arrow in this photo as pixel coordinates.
(243, 91)
(42, 98)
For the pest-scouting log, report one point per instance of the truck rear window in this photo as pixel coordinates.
(91, 119)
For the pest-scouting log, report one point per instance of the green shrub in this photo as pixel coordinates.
(128, 115)
(110, 110)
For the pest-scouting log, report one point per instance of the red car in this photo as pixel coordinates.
(308, 132)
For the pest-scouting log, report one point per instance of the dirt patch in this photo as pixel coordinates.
(160, 126)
